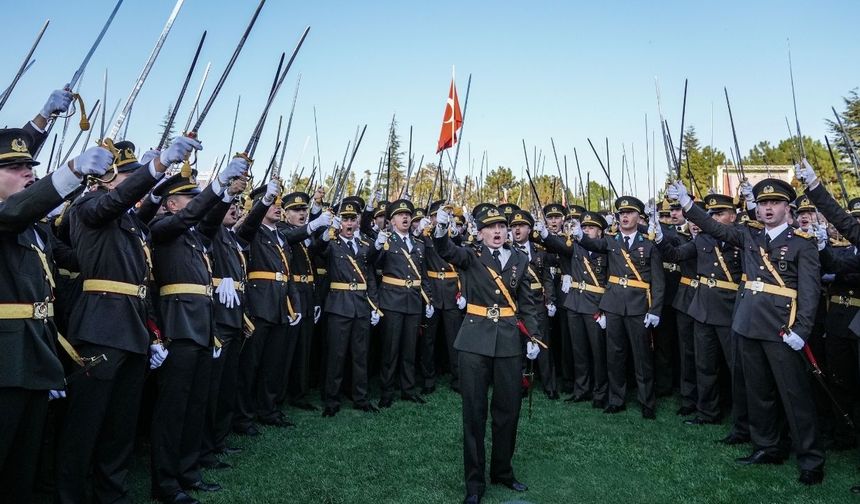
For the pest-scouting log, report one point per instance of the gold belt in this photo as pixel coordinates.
(690, 282)
(587, 287)
(308, 279)
(35, 311)
(127, 289)
(267, 275)
(351, 286)
(759, 286)
(845, 301)
(535, 285)
(185, 288)
(628, 282)
(442, 275)
(240, 286)
(720, 284)
(68, 274)
(401, 282)
(321, 271)
(491, 312)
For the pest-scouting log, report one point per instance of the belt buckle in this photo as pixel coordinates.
(712, 282)
(441, 275)
(353, 286)
(303, 278)
(695, 283)
(493, 313)
(40, 311)
(141, 291)
(409, 283)
(279, 277)
(845, 300)
(240, 286)
(622, 282)
(756, 286)
(209, 290)
(581, 285)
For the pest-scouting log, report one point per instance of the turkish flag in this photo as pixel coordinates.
(451, 122)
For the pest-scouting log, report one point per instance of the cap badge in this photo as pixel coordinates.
(19, 145)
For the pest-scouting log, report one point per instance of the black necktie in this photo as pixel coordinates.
(627, 242)
(766, 240)
(498, 262)
(352, 248)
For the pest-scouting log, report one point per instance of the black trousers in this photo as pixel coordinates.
(563, 353)
(588, 341)
(399, 346)
(665, 338)
(843, 364)
(100, 425)
(21, 423)
(179, 417)
(619, 331)
(298, 380)
(449, 322)
(477, 374)
(740, 408)
(687, 364)
(775, 372)
(711, 342)
(261, 373)
(345, 334)
(222, 393)
(545, 363)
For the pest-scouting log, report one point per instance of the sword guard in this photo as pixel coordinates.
(245, 157)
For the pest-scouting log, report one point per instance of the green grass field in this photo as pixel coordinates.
(566, 453)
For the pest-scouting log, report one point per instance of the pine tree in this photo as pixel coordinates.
(851, 120)
(170, 128)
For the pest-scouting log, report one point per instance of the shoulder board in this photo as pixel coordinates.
(538, 246)
(366, 244)
(754, 224)
(803, 234)
(611, 233)
(839, 243)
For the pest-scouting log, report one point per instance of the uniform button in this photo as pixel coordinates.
(498, 291)
(761, 267)
(715, 264)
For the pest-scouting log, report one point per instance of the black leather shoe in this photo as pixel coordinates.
(686, 410)
(761, 457)
(472, 499)
(614, 409)
(230, 450)
(734, 439)
(553, 395)
(330, 411)
(280, 421)
(304, 405)
(218, 464)
(512, 483)
(598, 404)
(578, 398)
(367, 408)
(414, 398)
(700, 421)
(250, 431)
(385, 403)
(428, 390)
(855, 489)
(648, 413)
(810, 478)
(202, 486)
(178, 498)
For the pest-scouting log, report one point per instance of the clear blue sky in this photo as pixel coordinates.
(570, 70)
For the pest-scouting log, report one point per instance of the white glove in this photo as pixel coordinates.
(677, 191)
(58, 102)
(461, 302)
(443, 218)
(317, 313)
(794, 341)
(601, 321)
(820, 235)
(423, 223)
(610, 219)
(93, 161)
(56, 394)
(576, 229)
(381, 238)
(227, 294)
(295, 321)
(374, 317)
(237, 167)
(335, 222)
(179, 150)
(655, 227)
(377, 196)
(550, 310)
(324, 220)
(216, 352)
(149, 156)
(273, 188)
(747, 193)
(651, 320)
(428, 311)
(566, 280)
(540, 227)
(806, 174)
(532, 350)
(157, 354)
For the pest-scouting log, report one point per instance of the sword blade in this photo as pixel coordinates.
(24, 65)
(80, 71)
(169, 124)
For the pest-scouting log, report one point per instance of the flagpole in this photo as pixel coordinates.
(463, 125)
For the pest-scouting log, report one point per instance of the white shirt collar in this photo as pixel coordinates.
(774, 232)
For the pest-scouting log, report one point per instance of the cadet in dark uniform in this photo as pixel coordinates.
(115, 268)
(30, 371)
(554, 215)
(490, 346)
(632, 304)
(184, 277)
(773, 316)
(586, 322)
(350, 307)
(402, 294)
